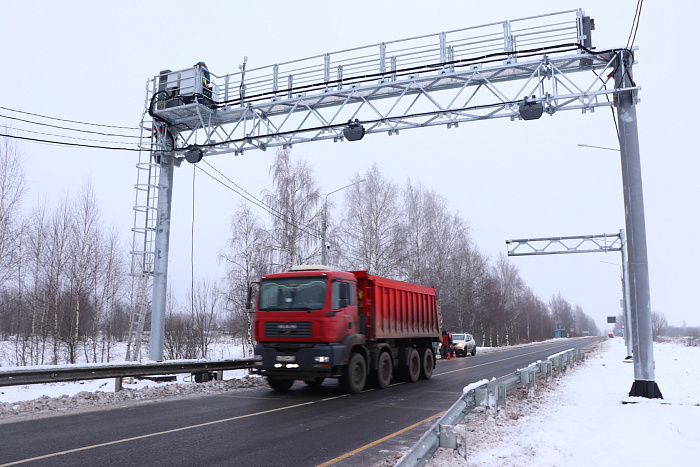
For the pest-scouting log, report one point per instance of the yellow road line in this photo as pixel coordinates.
(374, 443)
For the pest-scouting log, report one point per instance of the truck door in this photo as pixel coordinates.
(344, 302)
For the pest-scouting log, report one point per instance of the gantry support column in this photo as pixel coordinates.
(162, 245)
(640, 302)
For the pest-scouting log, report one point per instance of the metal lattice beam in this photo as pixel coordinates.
(564, 245)
(444, 79)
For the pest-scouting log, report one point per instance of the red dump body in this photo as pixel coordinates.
(314, 323)
(395, 309)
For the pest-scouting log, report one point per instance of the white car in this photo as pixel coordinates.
(462, 344)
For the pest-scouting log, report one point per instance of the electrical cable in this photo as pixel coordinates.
(635, 24)
(70, 121)
(65, 136)
(263, 206)
(194, 172)
(63, 143)
(257, 200)
(612, 107)
(69, 129)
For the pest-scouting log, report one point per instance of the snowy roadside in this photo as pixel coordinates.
(580, 419)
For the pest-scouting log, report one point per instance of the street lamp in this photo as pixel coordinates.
(325, 220)
(597, 147)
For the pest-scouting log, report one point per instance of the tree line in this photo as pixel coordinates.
(403, 232)
(66, 296)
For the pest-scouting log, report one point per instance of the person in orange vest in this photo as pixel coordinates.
(446, 343)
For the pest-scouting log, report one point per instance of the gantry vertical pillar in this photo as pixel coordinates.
(640, 302)
(162, 245)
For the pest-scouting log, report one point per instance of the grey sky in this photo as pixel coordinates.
(89, 61)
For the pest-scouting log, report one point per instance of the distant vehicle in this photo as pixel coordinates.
(611, 335)
(462, 344)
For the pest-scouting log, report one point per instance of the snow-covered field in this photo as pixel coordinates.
(579, 419)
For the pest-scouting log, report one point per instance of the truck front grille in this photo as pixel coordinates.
(292, 329)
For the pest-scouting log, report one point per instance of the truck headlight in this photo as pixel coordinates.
(322, 359)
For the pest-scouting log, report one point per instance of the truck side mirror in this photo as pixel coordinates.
(249, 297)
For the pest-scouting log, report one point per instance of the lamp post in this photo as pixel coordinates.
(324, 222)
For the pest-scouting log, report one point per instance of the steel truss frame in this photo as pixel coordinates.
(438, 81)
(564, 245)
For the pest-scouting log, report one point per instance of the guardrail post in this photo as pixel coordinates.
(117, 384)
(447, 437)
(481, 396)
(502, 391)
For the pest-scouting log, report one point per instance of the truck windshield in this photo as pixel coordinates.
(298, 293)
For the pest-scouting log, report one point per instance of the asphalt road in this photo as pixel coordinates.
(304, 427)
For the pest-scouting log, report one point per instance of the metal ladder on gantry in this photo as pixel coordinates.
(516, 69)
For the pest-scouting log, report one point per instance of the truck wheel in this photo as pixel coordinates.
(385, 367)
(279, 384)
(354, 375)
(427, 359)
(414, 366)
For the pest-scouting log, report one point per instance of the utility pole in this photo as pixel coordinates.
(640, 301)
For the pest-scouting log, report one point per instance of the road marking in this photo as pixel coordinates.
(374, 443)
(175, 430)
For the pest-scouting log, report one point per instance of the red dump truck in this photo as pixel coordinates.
(312, 323)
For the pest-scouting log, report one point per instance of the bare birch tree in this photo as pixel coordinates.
(371, 225)
(12, 190)
(247, 257)
(294, 200)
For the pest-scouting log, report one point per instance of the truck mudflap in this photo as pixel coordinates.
(304, 360)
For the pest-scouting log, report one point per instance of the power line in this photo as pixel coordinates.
(69, 121)
(635, 24)
(258, 203)
(63, 143)
(66, 128)
(65, 136)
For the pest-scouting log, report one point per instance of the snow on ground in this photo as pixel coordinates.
(580, 419)
(576, 420)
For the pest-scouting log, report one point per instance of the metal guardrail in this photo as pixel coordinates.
(486, 394)
(52, 374)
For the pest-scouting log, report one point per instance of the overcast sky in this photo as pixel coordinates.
(89, 61)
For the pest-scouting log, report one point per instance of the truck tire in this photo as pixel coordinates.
(414, 366)
(354, 375)
(385, 368)
(427, 362)
(280, 384)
